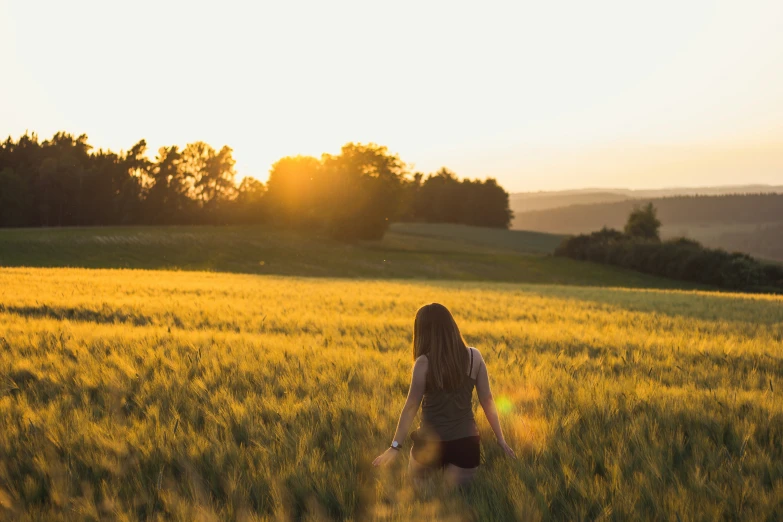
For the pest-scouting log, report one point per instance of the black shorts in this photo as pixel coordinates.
(463, 453)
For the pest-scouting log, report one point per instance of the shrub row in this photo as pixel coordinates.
(680, 258)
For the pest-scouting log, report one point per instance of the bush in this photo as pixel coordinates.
(680, 258)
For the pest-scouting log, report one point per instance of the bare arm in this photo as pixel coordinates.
(412, 403)
(488, 405)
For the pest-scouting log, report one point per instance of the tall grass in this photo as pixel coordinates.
(188, 395)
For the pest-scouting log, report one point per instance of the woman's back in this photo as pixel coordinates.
(448, 436)
(448, 414)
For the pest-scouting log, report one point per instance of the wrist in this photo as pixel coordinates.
(395, 445)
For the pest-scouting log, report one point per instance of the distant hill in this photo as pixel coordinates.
(529, 201)
(749, 223)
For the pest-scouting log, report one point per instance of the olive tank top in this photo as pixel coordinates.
(448, 414)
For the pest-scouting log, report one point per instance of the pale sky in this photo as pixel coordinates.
(541, 95)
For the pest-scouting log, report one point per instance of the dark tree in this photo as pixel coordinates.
(443, 198)
(352, 195)
(168, 194)
(364, 186)
(213, 176)
(14, 199)
(643, 223)
(249, 203)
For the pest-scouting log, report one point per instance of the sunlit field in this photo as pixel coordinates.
(201, 396)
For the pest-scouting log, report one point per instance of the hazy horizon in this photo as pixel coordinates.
(540, 97)
(651, 189)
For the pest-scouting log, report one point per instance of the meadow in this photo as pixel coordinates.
(408, 251)
(192, 395)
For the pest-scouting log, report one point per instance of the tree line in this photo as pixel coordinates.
(640, 248)
(355, 194)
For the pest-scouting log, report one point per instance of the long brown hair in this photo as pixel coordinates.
(436, 335)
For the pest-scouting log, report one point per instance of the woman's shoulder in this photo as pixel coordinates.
(420, 366)
(477, 360)
(421, 362)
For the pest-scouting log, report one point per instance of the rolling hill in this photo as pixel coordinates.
(749, 223)
(529, 201)
(408, 251)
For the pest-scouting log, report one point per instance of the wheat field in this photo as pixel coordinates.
(165, 395)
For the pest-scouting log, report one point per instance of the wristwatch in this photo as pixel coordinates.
(395, 445)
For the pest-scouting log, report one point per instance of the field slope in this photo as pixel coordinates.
(130, 394)
(420, 251)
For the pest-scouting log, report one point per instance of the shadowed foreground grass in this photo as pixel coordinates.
(202, 396)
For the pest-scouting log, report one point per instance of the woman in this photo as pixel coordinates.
(445, 372)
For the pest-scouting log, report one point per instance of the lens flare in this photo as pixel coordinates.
(504, 405)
